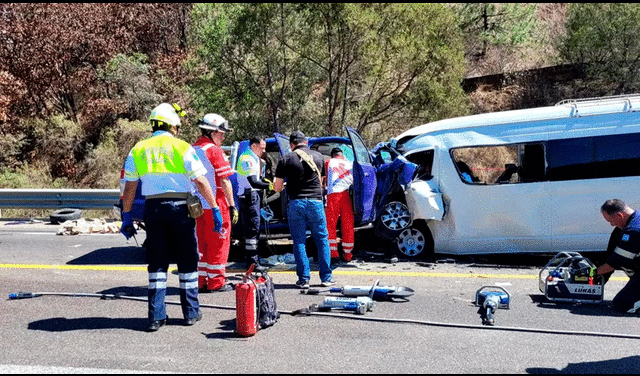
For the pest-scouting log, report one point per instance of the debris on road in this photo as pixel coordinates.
(92, 226)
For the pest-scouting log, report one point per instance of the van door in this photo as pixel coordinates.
(364, 181)
(496, 210)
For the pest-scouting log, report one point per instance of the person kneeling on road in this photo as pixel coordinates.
(626, 255)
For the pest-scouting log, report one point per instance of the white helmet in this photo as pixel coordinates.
(165, 113)
(215, 122)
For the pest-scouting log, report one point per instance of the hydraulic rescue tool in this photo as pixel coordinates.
(489, 301)
(374, 292)
(570, 277)
(359, 305)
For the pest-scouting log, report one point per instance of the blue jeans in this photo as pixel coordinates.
(303, 214)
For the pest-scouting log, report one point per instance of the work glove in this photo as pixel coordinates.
(233, 212)
(217, 219)
(127, 228)
(270, 184)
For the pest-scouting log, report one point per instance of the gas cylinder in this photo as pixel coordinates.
(246, 308)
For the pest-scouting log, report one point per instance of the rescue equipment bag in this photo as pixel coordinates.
(267, 309)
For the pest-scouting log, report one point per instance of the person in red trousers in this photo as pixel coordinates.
(339, 180)
(212, 246)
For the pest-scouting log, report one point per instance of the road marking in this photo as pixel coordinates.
(74, 267)
(336, 272)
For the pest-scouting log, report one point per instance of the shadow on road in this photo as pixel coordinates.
(112, 256)
(629, 365)
(62, 324)
(227, 330)
(584, 309)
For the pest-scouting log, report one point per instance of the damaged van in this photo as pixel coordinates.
(520, 181)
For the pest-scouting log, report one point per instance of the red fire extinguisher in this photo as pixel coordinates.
(246, 306)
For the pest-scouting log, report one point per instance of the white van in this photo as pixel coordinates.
(522, 181)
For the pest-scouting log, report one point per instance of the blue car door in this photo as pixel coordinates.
(364, 181)
(285, 148)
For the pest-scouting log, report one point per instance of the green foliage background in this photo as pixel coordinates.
(75, 91)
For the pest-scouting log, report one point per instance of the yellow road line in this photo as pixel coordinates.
(74, 267)
(335, 272)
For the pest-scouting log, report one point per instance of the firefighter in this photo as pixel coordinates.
(167, 166)
(214, 248)
(249, 165)
(338, 181)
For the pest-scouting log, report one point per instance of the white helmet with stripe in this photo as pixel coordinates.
(215, 122)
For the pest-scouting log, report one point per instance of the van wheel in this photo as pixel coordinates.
(415, 242)
(63, 215)
(395, 216)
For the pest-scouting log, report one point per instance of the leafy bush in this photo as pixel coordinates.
(101, 168)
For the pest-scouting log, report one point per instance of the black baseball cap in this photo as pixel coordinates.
(297, 137)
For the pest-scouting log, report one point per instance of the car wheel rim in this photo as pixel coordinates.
(396, 216)
(411, 242)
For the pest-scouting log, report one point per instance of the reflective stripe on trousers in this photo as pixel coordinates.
(170, 238)
(213, 248)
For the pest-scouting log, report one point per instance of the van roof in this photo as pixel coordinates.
(537, 120)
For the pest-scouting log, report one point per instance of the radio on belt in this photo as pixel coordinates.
(570, 277)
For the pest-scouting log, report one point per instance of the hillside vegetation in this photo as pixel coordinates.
(77, 81)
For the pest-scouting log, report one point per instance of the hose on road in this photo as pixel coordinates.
(306, 312)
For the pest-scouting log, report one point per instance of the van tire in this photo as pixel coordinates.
(63, 215)
(397, 218)
(415, 242)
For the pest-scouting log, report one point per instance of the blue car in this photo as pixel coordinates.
(379, 178)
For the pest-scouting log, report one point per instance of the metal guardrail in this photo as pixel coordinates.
(59, 198)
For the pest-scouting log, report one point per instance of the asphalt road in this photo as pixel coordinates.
(440, 332)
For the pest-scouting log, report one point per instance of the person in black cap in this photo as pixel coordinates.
(303, 170)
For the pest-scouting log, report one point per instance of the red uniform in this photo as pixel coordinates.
(339, 179)
(213, 247)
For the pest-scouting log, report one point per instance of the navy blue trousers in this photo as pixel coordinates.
(171, 238)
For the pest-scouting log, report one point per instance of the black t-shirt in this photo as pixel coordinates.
(302, 181)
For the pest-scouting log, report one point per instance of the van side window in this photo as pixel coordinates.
(504, 164)
(424, 160)
(617, 155)
(570, 159)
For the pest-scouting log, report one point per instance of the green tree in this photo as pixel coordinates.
(249, 77)
(411, 63)
(317, 67)
(604, 37)
(497, 24)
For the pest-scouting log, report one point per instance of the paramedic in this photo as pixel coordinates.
(625, 255)
(213, 247)
(339, 180)
(302, 170)
(167, 166)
